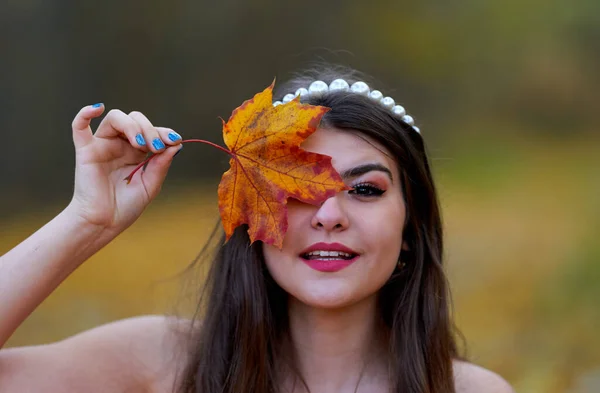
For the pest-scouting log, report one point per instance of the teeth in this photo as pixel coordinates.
(330, 254)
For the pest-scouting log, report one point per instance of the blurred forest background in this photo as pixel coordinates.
(506, 94)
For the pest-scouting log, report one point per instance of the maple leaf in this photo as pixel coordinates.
(268, 166)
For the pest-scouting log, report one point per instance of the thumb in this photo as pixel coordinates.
(82, 133)
(157, 169)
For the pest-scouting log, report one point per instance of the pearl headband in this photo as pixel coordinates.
(320, 88)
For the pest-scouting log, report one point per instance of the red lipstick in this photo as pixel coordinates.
(329, 263)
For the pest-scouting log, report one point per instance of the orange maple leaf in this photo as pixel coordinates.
(268, 166)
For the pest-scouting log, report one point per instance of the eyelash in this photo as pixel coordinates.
(373, 190)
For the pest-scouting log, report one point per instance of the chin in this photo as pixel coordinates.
(328, 295)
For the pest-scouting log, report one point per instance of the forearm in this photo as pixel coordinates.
(36, 267)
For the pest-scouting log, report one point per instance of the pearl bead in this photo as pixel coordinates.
(339, 85)
(388, 102)
(287, 98)
(318, 88)
(399, 110)
(301, 92)
(375, 95)
(408, 120)
(360, 88)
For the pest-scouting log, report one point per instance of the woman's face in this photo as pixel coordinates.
(366, 223)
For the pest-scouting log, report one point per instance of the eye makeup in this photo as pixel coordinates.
(366, 189)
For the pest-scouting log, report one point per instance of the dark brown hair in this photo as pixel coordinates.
(239, 343)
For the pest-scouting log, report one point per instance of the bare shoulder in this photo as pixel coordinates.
(138, 354)
(149, 350)
(470, 378)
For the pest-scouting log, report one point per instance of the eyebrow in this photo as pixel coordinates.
(362, 169)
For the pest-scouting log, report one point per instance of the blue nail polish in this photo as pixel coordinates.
(174, 136)
(179, 151)
(98, 105)
(140, 140)
(158, 144)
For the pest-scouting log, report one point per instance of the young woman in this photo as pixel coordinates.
(355, 301)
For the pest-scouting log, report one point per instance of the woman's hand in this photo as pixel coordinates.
(103, 159)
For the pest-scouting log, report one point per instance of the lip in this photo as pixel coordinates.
(329, 265)
(328, 247)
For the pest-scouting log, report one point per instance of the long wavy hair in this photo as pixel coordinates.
(241, 338)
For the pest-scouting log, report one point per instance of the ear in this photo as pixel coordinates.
(405, 246)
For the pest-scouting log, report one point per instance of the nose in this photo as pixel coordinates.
(331, 216)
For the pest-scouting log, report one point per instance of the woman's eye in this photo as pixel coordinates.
(366, 190)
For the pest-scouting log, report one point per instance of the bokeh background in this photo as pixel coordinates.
(506, 94)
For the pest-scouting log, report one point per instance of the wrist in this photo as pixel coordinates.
(89, 235)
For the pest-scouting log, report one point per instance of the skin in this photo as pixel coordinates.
(103, 206)
(333, 315)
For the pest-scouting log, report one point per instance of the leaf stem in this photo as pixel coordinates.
(209, 143)
(147, 160)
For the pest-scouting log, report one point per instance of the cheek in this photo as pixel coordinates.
(280, 265)
(383, 236)
(283, 265)
(299, 216)
(382, 226)
(384, 259)
(272, 258)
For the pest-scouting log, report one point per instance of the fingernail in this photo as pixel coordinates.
(140, 140)
(178, 151)
(98, 105)
(173, 136)
(158, 144)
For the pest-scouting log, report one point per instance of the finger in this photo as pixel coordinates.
(151, 134)
(82, 132)
(169, 136)
(157, 170)
(118, 124)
